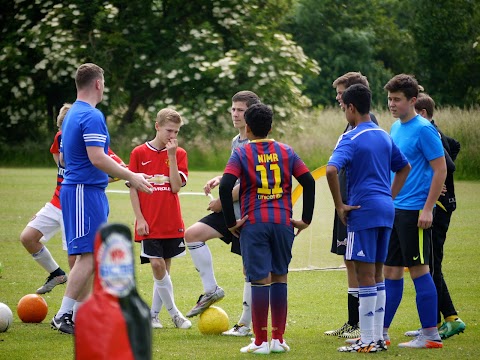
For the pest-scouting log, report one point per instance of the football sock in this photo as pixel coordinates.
(75, 309)
(202, 259)
(353, 305)
(431, 333)
(368, 300)
(260, 304)
(165, 290)
(156, 301)
(278, 307)
(451, 318)
(66, 307)
(426, 300)
(57, 272)
(379, 312)
(394, 293)
(246, 318)
(45, 259)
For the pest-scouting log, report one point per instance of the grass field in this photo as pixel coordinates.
(317, 299)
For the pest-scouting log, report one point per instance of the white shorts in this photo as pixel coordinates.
(49, 221)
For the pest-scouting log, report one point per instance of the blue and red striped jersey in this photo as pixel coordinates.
(265, 168)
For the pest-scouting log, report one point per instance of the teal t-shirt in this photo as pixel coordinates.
(420, 142)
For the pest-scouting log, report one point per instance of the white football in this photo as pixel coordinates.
(6, 317)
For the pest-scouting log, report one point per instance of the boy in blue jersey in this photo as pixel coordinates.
(350, 328)
(265, 169)
(84, 152)
(368, 155)
(410, 242)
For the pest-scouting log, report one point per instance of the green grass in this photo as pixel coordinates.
(317, 299)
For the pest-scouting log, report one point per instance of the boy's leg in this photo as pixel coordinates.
(196, 237)
(210, 227)
(418, 251)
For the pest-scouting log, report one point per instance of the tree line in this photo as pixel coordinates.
(194, 55)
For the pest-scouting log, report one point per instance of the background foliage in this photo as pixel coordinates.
(194, 55)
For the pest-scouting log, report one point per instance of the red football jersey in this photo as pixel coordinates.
(55, 149)
(161, 209)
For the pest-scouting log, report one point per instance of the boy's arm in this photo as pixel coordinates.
(225, 192)
(56, 158)
(141, 224)
(399, 180)
(439, 174)
(226, 198)
(105, 163)
(308, 183)
(334, 185)
(175, 178)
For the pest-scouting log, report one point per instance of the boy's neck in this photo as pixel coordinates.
(157, 144)
(362, 119)
(242, 132)
(410, 115)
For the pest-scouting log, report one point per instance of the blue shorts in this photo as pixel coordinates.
(368, 245)
(266, 248)
(84, 209)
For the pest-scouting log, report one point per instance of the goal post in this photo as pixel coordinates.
(311, 248)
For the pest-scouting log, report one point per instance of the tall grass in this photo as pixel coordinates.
(319, 130)
(313, 135)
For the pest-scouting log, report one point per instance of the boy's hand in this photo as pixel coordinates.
(299, 224)
(215, 205)
(343, 211)
(172, 146)
(211, 184)
(235, 230)
(138, 181)
(425, 219)
(142, 228)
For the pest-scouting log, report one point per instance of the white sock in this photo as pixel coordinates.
(379, 312)
(75, 309)
(246, 317)
(45, 260)
(202, 259)
(366, 311)
(66, 307)
(156, 301)
(353, 291)
(165, 290)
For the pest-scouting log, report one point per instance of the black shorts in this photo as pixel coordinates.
(339, 236)
(161, 248)
(216, 221)
(409, 245)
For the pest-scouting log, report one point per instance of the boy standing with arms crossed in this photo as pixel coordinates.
(368, 155)
(265, 169)
(158, 218)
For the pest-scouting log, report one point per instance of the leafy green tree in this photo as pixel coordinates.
(347, 36)
(448, 64)
(192, 55)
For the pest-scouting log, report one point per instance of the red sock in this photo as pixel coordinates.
(278, 304)
(260, 304)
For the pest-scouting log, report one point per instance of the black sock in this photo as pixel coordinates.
(353, 317)
(57, 272)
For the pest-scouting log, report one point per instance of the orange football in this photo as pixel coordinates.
(32, 308)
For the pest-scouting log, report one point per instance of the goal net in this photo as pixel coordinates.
(311, 249)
